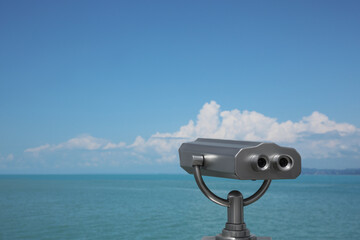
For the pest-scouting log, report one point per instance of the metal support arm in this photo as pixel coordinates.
(223, 202)
(235, 228)
(206, 191)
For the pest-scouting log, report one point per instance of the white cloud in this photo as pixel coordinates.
(86, 142)
(38, 149)
(114, 145)
(82, 142)
(253, 126)
(315, 136)
(138, 144)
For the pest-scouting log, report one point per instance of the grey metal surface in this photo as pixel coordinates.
(236, 208)
(258, 194)
(253, 238)
(206, 191)
(241, 159)
(256, 238)
(235, 227)
(218, 200)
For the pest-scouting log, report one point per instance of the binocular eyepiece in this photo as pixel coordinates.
(241, 159)
(279, 162)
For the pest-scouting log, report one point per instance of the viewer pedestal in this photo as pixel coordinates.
(257, 238)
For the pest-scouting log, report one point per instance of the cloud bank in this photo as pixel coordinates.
(84, 142)
(315, 136)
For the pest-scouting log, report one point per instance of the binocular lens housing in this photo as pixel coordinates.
(260, 163)
(243, 160)
(283, 162)
(280, 162)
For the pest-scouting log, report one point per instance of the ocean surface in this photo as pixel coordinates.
(172, 207)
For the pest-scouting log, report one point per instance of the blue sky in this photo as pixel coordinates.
(105, 86)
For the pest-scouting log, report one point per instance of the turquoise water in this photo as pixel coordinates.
(172, 207)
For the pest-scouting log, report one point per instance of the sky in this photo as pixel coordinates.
(117, 86)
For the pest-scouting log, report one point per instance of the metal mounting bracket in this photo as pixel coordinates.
(235, 228)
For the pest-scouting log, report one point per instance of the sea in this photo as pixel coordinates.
(159, 207)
